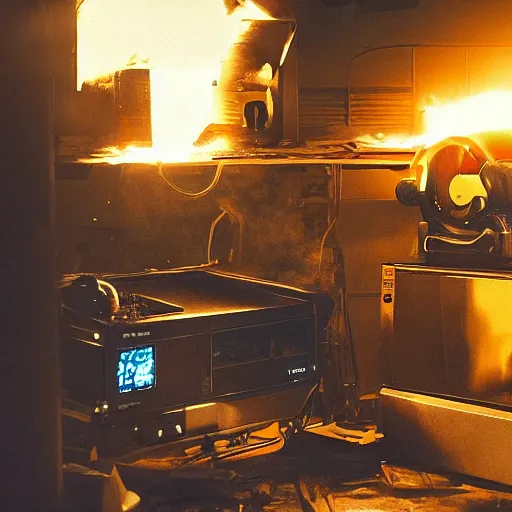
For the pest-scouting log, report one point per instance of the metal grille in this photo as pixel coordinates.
(386, 109)
(322, 111)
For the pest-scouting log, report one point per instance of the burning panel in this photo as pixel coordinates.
(489, 111)
(158, 61)
(132, 93)
(414, 95)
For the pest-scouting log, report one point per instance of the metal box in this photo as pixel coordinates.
(446, 354)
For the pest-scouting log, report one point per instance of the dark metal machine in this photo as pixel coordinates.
(463, 186)
(446, 328)
(153, 356)
(162, 356)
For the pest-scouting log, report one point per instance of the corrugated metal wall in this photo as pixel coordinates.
(322, 112)
(328, 113)
(389, 109)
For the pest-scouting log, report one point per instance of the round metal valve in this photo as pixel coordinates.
(457, 179)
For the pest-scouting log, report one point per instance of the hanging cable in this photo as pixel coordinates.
(347, 368)
(212, 231)
(113, 291)
(187, 193)
(239, 218)
(324, 240)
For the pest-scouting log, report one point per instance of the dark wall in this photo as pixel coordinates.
(64, 41)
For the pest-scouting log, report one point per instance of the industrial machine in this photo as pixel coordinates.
(169, 355)
(251, 77)
(462, 187)
(153, 352)
(446, 336)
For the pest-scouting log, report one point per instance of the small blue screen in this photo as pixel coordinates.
(136, 369)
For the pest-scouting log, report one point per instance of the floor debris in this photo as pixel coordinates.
(312, 474)
(406, 478)
(360, 434)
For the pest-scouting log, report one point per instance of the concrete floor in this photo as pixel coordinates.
(312, 474)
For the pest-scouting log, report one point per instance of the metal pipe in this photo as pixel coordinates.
(30, 453)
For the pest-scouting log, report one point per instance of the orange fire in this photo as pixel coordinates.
(182, 43)
(489, 111)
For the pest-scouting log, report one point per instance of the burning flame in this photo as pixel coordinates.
(489, 111)
(182, 43)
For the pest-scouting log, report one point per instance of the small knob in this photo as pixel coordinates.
(407, 192)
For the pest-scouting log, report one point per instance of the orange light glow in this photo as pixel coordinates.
(182, 43)
(488, 334)
(489, 111)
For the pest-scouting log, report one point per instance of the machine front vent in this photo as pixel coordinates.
(262, 356)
